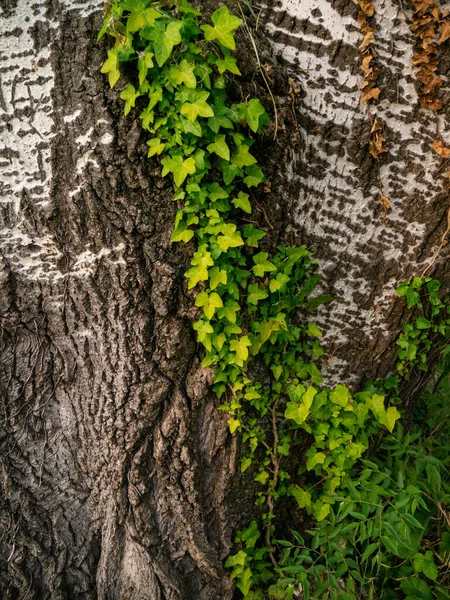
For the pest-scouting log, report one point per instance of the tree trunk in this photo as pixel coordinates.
(119, 476)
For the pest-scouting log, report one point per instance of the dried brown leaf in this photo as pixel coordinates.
(445, 32)
(440, 149)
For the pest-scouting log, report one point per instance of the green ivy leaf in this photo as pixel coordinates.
(210, 303)
(165, 38)
(262, 477)
(111, 66)
(242, 202)
(178, 167)
(224, 26)
(241, 346)
(155, 146)
(200, 263)
(254, 177)
(256, 293)
(229, 312)
(340, 395)
(318, 458)
(217, 276)
(233, 424)
(204, 331)
(129, 94)
(253, 236)
(243, 158)
(183, 73)
(230, 238)
(220, 147)
(255, 110)
(142, 17)
(262, 265)
(302, 496)
(424, 563)
(145, 62)
(228, 63)
(198, 108)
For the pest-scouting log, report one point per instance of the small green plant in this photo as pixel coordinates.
(263, 350)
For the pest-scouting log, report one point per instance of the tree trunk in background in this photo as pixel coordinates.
(119, 476)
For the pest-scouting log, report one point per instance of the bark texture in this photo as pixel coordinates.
(117, 472)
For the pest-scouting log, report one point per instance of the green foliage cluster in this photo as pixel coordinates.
(263, 354)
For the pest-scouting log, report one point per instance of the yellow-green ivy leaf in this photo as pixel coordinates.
(241, 346)
(392, 415)
(224, 26)
(220, 147)
(217, 276)
(129, 94)
(145, 62)
(233, 424)
(262, 265)
(165, 38)
(242, 202)
(243, 158)
(178, 167)
(262, 477)
(142, 18)
(210, 303)
(155, 146)
(198, 108)
(303, 497)
(229, 238)
(183, 73)
(316, 459)
(200, 263)
(228, 63)
(111, 66)
(245, 463)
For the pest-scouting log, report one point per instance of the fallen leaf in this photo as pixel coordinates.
(386, 202)
(440, 149)
(445, 32)
(371, 94)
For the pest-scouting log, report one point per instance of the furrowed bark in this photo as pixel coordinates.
(118, 474)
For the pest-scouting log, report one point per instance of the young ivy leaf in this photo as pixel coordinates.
(155, 146)
(254, 176)
(129, 94)
(165, 39)
(142, 17)
(200, 263)
(243, 158)
(111, 66)
(145, 62)
(254, 111)
(242, 202)
(253, 235)
(228, 64)
(183, 73)
(241, 346)
(229, 238)
(256, 293)
(229, 312)
(262, 265)
(179, 167)
(224, 26)
(198, 108)
(204, 331)
(220, 147)
(217, 276)
(210, 303)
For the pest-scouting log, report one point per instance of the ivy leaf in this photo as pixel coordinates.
(215, 192)
(228, 63)
(145, 62)
(303, 497)
(224, 26)
(313, 330)
(243, 158)
(389, 420)
(340, 395)
(155, 146)
(256, 293)
(246, 461)
(111, 66)
(217, 276)
(129, 94)
(241, 346)
(318, 458)
(321, 510)
(198, 108)
(242, 202)
(233, 424)
(210, 303)
(297, 412)
(262, 477)
(229, 171)
(279, 282)
(255, 176)
(229, 238)
(262, 265)
(204, 331)
(179, 167)
(183, 73)
(142, 18)
(220, 147)
(229, 311)
(255, 110)
(215, 123)
(165, 39)
(253, 235)
(200, 263)
(184, 7)
(181, 233)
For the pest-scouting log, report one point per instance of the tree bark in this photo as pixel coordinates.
(119, 476)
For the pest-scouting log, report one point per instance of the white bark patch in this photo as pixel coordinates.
(27, 126)
(334, 207)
